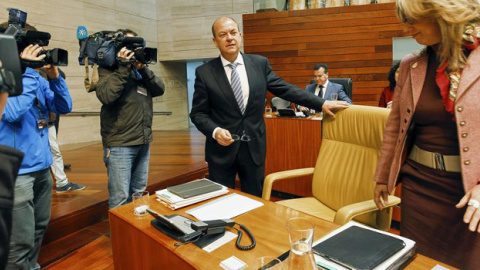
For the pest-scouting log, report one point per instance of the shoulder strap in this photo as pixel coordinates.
(89, 84)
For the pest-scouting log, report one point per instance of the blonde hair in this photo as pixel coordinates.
(452, 16)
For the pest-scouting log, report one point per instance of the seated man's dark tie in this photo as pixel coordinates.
(320, 93)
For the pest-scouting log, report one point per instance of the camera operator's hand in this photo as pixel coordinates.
(31, 53)
(138, 65)
(126, 54)
(51, 71)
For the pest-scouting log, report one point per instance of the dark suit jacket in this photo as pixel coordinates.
(214, 105)
(331, 88)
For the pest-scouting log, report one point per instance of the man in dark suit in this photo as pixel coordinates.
(323, 87)
(228, 106)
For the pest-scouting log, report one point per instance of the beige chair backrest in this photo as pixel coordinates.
(348, 158)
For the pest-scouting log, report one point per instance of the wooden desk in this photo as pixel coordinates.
(136, 244)
(292, 143)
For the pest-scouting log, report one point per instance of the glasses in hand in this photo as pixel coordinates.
(244, 137)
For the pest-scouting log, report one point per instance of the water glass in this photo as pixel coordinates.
(141, 202)
(268, 112)
(300, 232)
(334, 96)
(268, 263)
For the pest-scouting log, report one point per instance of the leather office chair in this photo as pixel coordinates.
(346, 82)
(280, 103)
(342, 184)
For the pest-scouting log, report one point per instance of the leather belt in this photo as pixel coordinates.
(434, 160)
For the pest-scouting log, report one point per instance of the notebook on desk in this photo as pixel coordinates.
(194, 188)
(359, 248)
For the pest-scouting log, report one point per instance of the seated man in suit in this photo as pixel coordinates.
(324, 88)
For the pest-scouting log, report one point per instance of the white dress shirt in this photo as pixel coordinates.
(242, 73)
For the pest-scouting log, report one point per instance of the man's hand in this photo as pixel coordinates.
(138, 65)
(223, 137)
(329, 107)
(51, 71)
(126, 54)
(31, 53)
(380, 196)
(303, 109)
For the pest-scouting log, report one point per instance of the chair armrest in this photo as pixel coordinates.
(348, 212)
(267, 185)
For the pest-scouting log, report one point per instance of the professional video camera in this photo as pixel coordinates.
(16, 22)
(102, 48)
(10, 72)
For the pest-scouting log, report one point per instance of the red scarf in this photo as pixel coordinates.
(448, 80)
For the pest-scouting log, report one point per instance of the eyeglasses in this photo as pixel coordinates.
(244, 137)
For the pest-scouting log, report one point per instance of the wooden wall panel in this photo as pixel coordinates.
(355, 42)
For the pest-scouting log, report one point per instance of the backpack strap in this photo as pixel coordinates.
(90, 83)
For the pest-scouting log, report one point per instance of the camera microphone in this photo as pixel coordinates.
(82, 32)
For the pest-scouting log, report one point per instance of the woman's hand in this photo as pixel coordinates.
(380, 196)
(472, 214)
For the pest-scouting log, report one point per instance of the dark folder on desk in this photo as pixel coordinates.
(359, 248)
(194, 188)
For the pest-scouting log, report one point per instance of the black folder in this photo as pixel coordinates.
(194, 188)
(359, 248)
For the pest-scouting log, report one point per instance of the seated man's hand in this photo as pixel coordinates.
(303, 109)
(223, 137)
(330, 106)
(31, 53)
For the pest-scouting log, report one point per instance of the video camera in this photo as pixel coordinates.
(17, 20)
(102, 48)
(10, 71)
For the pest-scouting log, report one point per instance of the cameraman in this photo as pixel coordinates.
(24, 127)
(126, 91)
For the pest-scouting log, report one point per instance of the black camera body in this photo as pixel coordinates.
(17, 20)
(10, 72)
(102, 48)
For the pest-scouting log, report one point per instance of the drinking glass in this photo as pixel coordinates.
(268, 112)
(268, 263)
(300, 232)
(334, 96)
(141, 202)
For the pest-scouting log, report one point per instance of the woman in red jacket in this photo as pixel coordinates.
(434, 123)
(387, 94)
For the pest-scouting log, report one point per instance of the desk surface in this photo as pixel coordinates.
(138, 245)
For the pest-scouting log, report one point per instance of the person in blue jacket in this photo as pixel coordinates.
(24, 127)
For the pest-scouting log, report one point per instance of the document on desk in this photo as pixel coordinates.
(227, 207)
(229, 236)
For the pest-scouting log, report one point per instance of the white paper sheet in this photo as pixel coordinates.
(227, 207)
(227, 237)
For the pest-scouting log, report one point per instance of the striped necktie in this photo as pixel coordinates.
(237, 86)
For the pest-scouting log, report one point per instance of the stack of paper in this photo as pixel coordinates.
(174, 202)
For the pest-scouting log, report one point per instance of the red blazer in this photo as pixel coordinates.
(410, 82)
(385, 97)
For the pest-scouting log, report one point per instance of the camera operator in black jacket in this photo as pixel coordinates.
(126, 91)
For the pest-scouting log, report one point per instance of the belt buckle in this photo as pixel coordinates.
(439, 161)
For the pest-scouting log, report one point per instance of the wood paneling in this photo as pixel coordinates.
(355, 42)
(292, 143)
